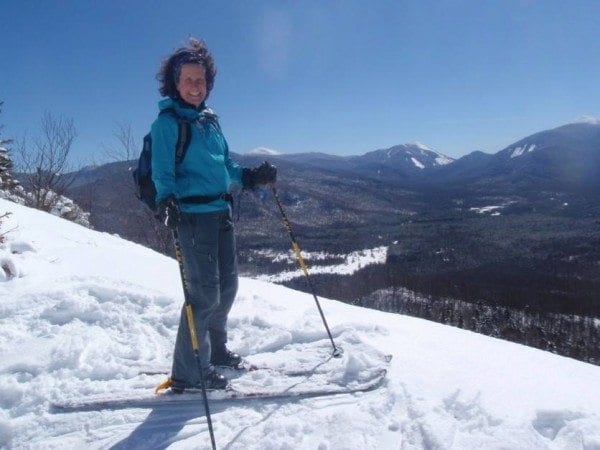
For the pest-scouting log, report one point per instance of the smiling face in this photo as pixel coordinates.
(192, 84)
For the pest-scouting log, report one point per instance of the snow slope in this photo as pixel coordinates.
(82, 312)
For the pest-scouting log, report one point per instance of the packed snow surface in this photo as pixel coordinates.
(82, 313)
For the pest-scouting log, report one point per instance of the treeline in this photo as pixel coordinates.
(568, 335)
(511, 284)
(523, 311)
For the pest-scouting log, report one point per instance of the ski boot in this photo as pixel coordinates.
(226, 358)
(213, 380)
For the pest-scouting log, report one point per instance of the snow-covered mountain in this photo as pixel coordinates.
(82, 312)
(414, 154)
(401, 163)
(568, 155)
(565, 158)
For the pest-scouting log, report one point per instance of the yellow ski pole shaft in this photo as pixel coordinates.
(193, 334)
(337, 351)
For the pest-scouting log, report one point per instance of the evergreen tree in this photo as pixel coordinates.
(7, 183)
(9, 186)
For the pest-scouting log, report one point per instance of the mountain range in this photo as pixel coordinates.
(518, 227)
(566, 158)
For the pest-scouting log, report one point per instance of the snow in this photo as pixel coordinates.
(519, 151)
(417, 163)
(589, 120)
(440, 159)
(487, 209)
(85, 311)
(352, 262)
(420, 146)
(263, 151)
(492, 210)
(417, 151)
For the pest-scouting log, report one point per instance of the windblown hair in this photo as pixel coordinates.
(195, 53)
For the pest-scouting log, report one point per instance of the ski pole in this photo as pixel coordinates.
(337, 351)
(193, 334)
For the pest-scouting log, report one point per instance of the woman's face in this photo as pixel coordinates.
(192, 84)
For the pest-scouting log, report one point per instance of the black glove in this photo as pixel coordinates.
(168, 212)
(266, 173)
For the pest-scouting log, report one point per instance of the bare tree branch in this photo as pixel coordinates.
(126, 148)
(46, 163)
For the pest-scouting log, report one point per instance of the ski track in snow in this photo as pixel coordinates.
(79, 319)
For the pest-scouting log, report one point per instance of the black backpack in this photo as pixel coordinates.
(142, 176)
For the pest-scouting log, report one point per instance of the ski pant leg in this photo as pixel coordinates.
(228, 281)
(199, 247)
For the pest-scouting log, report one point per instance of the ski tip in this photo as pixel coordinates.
(165, 385)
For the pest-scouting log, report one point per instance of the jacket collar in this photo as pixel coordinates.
(184, 109)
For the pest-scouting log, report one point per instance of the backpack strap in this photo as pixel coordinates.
(183, 139)
(184, 134)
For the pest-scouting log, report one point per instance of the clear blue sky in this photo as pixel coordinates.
(341, 77)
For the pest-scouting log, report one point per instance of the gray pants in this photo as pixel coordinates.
(210, 265)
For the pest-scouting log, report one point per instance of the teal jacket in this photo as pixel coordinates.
(207, 168)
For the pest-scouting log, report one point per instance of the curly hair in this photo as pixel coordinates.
(195, 53)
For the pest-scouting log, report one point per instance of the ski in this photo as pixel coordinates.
(246, 366)
(234, 372)
(243, 366)
(230, 395)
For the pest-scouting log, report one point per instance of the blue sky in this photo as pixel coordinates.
(341, 77)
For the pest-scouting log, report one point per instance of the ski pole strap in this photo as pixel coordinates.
(202, 199)
(163, 386)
